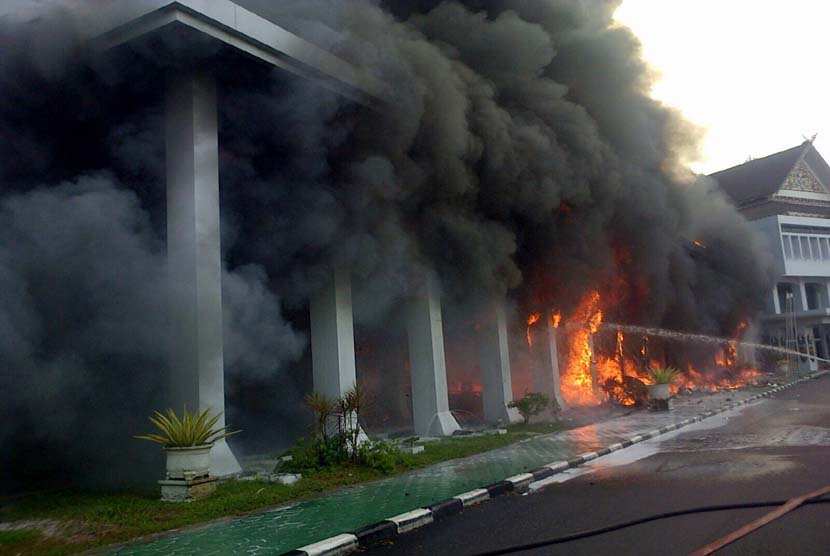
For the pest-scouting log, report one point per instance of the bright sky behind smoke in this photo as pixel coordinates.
(752, 72)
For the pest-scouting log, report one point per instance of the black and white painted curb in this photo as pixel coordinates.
(390, 528)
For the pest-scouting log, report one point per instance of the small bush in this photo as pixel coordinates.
(318, 454)
(315, 454)
(323, 409)
(351, 406)
(663, 375)
(533, 403)
(380, 456)
(334, 446)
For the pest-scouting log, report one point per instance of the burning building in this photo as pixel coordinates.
(786, 197)
(226, 204)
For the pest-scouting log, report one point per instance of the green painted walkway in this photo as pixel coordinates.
(286, 528)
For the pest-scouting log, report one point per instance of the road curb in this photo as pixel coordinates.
(392, 527)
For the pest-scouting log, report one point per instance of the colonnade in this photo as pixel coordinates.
(195, 296)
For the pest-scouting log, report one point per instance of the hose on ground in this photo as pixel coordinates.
(625, 524)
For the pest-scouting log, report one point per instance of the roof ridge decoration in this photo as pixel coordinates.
(802, 178)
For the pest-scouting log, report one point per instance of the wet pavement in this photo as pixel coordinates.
(770, 450)
(288, 527)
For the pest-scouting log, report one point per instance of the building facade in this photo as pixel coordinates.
(786, 198)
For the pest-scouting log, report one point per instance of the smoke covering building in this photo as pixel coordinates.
(318, 180)
(786, 197)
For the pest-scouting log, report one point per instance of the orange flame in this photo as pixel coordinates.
(591, 376)
(555, 318)
(577, 384)
(531, 320)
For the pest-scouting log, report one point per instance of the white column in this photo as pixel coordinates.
(194, 262)
(332, 336)
(803, 289)
(430, 405)
(542, 372)
(497, 385)
(593, 365)
(812, 363)
(546, 369)
(332, 341)
(554, 363)
(776, 303)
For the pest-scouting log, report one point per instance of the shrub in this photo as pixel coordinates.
(193, 429)
(329, 447)
(533, 403)
(315, 454)
(380, 455)
(350, 406)
(663, 375)
(323, 409)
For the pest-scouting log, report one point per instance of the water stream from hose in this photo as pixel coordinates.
(687, 336)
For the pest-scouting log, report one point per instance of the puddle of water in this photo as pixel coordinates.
(637, 451)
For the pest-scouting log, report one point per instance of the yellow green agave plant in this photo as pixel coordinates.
(192, 429)
(663, 375)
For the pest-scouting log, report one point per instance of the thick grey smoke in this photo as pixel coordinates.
(520, 154)
(83, 292)
(83, 321)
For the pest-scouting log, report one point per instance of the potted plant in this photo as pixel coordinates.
(662, 378)
(187, 441)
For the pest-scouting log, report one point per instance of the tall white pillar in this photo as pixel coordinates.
(194, 262)
(542, 372)
(546, 370)
(553, 350)
(497, 385)
(776, 303)
(332, 336)
(332, 340)
(430, 404)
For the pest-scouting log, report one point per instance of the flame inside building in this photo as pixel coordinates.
(600, 363)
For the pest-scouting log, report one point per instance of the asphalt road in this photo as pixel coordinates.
(775, 449)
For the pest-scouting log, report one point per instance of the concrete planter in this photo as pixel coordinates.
(659, 392)
(188, 463)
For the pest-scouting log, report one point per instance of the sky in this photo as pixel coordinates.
(753, 73)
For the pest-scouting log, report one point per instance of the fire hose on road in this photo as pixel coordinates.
(785, 506)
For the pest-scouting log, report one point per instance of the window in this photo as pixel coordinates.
(784, 290)
(813, 292)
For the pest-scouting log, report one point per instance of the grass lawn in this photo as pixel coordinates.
(78, 521)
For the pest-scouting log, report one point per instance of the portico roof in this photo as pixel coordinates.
(117, 23)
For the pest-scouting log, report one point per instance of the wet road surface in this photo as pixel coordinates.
(774, 449)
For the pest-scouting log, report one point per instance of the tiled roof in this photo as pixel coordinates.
(762, 177)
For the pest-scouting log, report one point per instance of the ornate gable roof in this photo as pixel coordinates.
(759, 178)
(797, 172)
(802, 178)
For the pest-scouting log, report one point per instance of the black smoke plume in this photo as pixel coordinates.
(518, 154)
